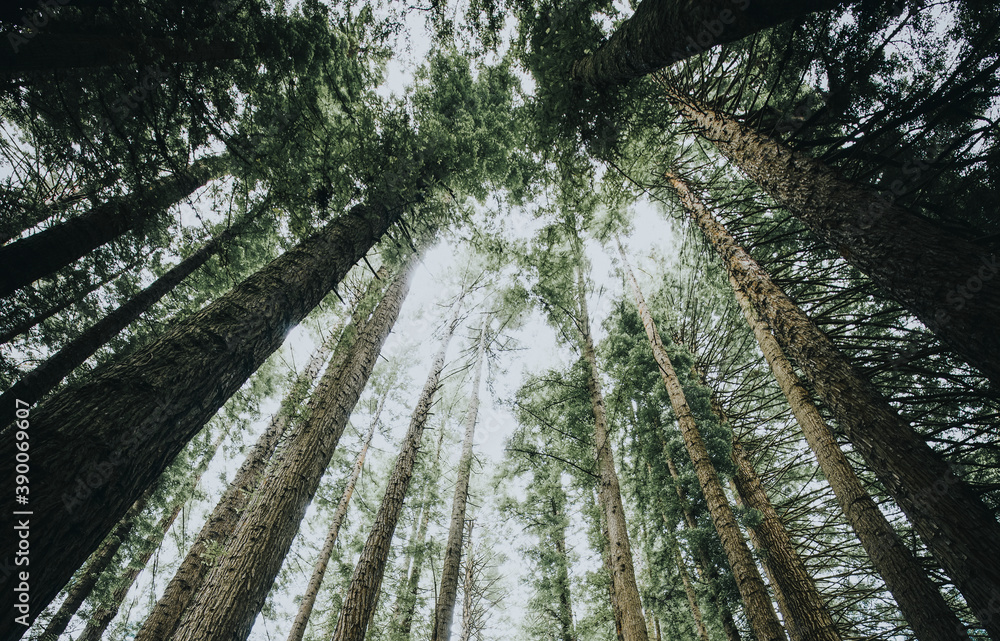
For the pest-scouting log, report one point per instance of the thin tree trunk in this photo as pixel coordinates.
(90, 573)
(468, 587)
(234, 591)
(918, 598)
(692, 597)
(319, 570)
(748, 580)
(363, 591)
(806, 614)
(166, 614)
(662, 32)
(36, 384)
(567, 632)
(448, 593)
(625, 602)
(949, 516)
(28, 259)
(98, 445)
(948, 282)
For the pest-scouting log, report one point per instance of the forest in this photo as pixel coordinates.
(479, 320)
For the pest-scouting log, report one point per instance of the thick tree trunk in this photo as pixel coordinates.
(918, 598)
(807, 617)
(234, 591)
(949, 516)
(28, 259)
(448, 593)
(98, 445)
(363, 591)
(166, 614)
(948, 282)
(319, 569)
(748, 580)
(467, 588)
(90, 573)
(625, 593)
(662, 32)
(36, 384)
(53, 51)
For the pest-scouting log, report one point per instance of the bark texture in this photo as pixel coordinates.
(37, 383)
(445, 607)
(363, 591)
(948, 282)
(234, 591)
(319, 569)
(918, 598)
(662, 32)
(625, 600)
(947, 514)
(166, 614)
(98, 445)
(28, 259)
(756, 601)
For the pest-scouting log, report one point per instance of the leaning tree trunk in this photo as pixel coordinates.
(662, 32)
(234, 591)
(807, 617)
(37, 383)
(748, 580)
(319, 569)
(166, 614)
(948, 282)
(625, 593)
(28, 259)
(363, 591)
(90, 573)
(692, 596)
(98, 445)
(918, 598)
(448, 592)
(947, 514)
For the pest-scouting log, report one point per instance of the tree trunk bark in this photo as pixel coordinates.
(467, 588)
(234, 591)
(90, 573)
(663, 32)
(951, 519)
(807, 616)
(36, 384)
(363, 591)
(692, 597)
(946, 281)
(28, 259)
(625, 600)
(448, 591)
(748, 580)
(98, 445)
(166, 614)
(319, 570)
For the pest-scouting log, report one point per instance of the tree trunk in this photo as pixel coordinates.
(166, 614)
(28, 259)
(90, 573)
(918, 598)
(807, 617)
(448, 593)
(98, 445)
(758, 604)
(662, 32)
(949, 516)
(467, 588)
(36, 384)
(234, 591)
(319, 570)
(946, 281)
(363, 591)
(562, 573)
(55, 51)
(625, 601)
(692, 597)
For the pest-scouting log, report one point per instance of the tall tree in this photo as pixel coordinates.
(363, 591)
(748, 580)
(448, 592)
(949, 516)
